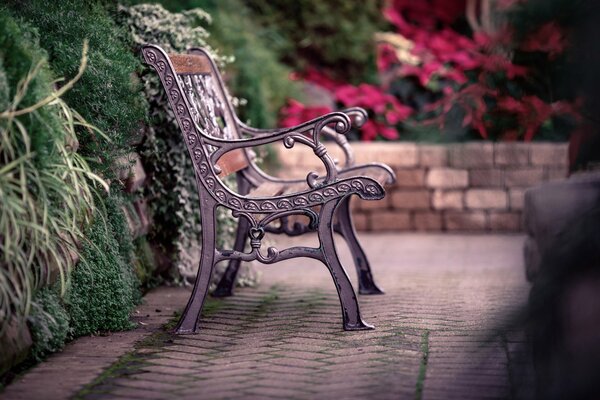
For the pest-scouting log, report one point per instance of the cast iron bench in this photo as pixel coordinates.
(220, 144)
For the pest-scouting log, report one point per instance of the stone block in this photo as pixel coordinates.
(486, 177)
(523, 177)
(382, 204)
(447, 200)
(505, 221)
(410, 178)
(556, 174)
(427, 221)
(551, 154)
(392, 154)
(411, 199)
(361, 221)
(516, 154)
(447, 178)
(136, 175)
(15, 343)
(516, 198)
(433, 155)
(132, 222)
(390, 221)
(465, 221)
(486, 199)
(122, 166)
(471, 155)
(141, 209)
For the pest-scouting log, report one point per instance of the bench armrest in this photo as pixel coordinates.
(307, 133)
(358, 116)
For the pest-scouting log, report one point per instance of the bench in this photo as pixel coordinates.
(220, 144)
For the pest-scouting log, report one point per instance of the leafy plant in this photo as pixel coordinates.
(172, 189)
(104, 289)
(484, 78)
(108, 92)
(46, 188)
(48, 322)
(336, 36)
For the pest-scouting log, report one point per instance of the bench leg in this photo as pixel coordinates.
(188, 323)
(345, 227)
(348, 299)
(227, 282)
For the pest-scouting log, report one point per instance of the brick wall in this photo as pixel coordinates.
(476, 186)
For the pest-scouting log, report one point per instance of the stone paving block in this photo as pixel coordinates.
(471, 155)
(523, 177)
(516, 198)
(486, 177)
(427, 221)
(512, 153)
(367, 205)
(505, 221)
(486, 199)
(361, 221)
(447, 178)
(465, 221)
(392, 154)
(433, 155)
(551, 154)
(410, 199)
(555, 174)
(390, 221)
(409, 177)
(447, 199)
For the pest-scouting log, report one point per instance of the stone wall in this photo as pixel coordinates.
(475, 186)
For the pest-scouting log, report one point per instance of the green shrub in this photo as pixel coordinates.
(104, 289)
(46, 189)
(336, 35)
(172, 186)
(144, 262)
(48, 323)
(108, 93)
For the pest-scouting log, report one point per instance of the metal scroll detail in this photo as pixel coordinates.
(199, 146)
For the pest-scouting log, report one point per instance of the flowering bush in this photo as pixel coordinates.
(458, 63)
(385, 111)
(475, 71)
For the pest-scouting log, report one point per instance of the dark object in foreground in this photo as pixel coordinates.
(220, 144)
(563, 261)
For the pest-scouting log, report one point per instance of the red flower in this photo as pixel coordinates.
(295, 113)
(548, 39)
(386, 57)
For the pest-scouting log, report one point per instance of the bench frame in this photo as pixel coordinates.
(220, 144)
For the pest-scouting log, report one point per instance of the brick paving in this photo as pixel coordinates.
(437, 333)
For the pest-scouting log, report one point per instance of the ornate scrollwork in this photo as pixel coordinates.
(200, 112)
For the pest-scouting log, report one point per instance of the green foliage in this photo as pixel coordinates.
(48, 323)
(336, 35)
(108, 93)
(172, 186)
(46, 188)
(257, 75)
(20, 53)
(143, 261)
(103, 288)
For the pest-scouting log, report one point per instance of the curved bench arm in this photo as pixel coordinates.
(358, 116)
(307, 133)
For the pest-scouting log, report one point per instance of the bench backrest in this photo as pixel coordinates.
(209, 104)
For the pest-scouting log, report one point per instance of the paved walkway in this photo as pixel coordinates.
(437, 334)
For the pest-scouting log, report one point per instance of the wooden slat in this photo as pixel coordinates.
(190, 64)
(232, 161)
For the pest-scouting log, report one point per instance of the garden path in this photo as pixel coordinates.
(438, 334)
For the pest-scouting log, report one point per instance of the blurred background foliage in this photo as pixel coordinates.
(434, 70)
